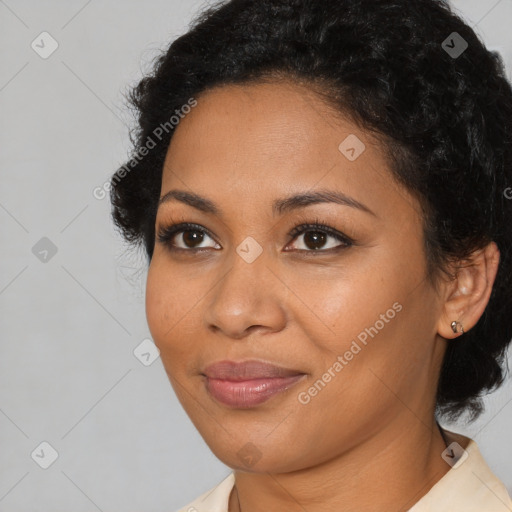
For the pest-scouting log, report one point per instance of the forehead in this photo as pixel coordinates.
(261, 140)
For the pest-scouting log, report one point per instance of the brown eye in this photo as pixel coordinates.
(185, 237)
(191, 238)
(316, 238)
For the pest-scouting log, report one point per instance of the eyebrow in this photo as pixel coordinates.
(279, 207)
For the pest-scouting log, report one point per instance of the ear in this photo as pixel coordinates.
(467, 295)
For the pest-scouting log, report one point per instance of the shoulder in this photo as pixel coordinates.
(469, 486)
(215, 499)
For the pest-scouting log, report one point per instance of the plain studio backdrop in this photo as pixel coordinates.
(77, 391)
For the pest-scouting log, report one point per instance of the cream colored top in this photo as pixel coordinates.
(469, 486)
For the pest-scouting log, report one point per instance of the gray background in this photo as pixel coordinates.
(68, 374)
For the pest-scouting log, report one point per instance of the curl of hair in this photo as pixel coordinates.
(445, 124)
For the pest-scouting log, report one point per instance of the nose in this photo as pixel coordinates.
(247, 297)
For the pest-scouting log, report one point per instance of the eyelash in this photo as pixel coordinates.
(166, 234)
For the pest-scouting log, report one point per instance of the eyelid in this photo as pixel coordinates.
(167, 232)
(319, 225)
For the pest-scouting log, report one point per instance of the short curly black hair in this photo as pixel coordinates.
(397, 68)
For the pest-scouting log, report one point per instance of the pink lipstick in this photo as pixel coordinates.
(248, 383)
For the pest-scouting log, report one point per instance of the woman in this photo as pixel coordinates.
(321, 191)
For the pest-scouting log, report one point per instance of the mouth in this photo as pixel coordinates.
(247, 384)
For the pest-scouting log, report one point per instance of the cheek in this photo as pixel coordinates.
(366, 314)
(173, 308)
(165, 306)
(156, 313)
(334, 306)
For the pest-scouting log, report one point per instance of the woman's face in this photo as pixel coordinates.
(357, 320)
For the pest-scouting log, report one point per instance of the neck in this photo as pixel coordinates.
(390, 471)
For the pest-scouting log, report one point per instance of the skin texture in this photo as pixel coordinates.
(368, 440)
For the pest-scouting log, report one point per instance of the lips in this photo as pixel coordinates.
(247, 370)
(249, 383)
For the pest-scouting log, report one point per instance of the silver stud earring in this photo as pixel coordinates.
(456, 325)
